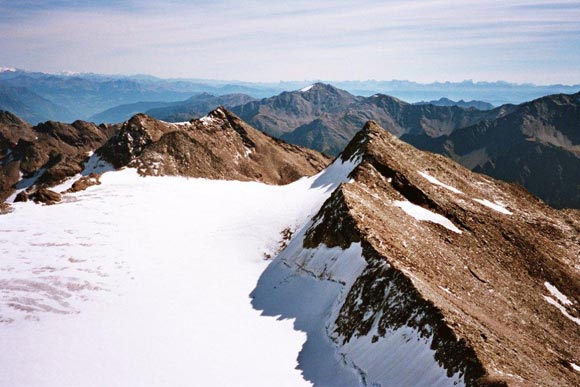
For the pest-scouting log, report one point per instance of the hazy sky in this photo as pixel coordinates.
(523, 41)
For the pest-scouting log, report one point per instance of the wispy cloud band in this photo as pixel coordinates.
(536, 41)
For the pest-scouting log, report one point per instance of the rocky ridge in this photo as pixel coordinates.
(479, 105)
(325, 118)
(46, 154)
(536, 145)
(217, 146)
(486, 273)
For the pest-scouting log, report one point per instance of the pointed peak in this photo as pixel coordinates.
(371, 126)
(219, 112)
(138, 118)
(217, 115)
(318, 86)
(8, 117)
(359, 145)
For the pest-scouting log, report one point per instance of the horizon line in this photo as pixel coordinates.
(67, 73)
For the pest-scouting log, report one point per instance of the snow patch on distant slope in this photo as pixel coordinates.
(424, 214)
(433, 180)
(305, 89)
(494, 206)
(559, 301)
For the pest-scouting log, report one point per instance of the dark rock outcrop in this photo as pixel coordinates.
(45, 196)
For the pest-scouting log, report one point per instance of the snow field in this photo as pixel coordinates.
(146, 281)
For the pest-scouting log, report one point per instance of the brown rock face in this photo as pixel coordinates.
(46, 154)
(12, 129)
(21, 197)
(5, 208)
(480, 282)
(132, 138)
(218, 146)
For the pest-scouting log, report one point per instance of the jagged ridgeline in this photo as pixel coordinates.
(535, 144)
(414, 271)
(217, 146)
(443, 275)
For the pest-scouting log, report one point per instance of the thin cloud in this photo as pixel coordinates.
(259, 41)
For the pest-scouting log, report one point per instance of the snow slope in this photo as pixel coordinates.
(310, 286)
(146, 281)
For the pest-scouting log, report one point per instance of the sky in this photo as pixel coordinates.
(534, 41)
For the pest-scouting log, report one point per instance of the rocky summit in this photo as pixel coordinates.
(483, 273)
(216, 146)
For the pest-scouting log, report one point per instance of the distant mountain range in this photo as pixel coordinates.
(197, 106)
(31, 106)
(124, 112)
(480, 105)
(325, 118)
(86, 95)
(536, 144)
